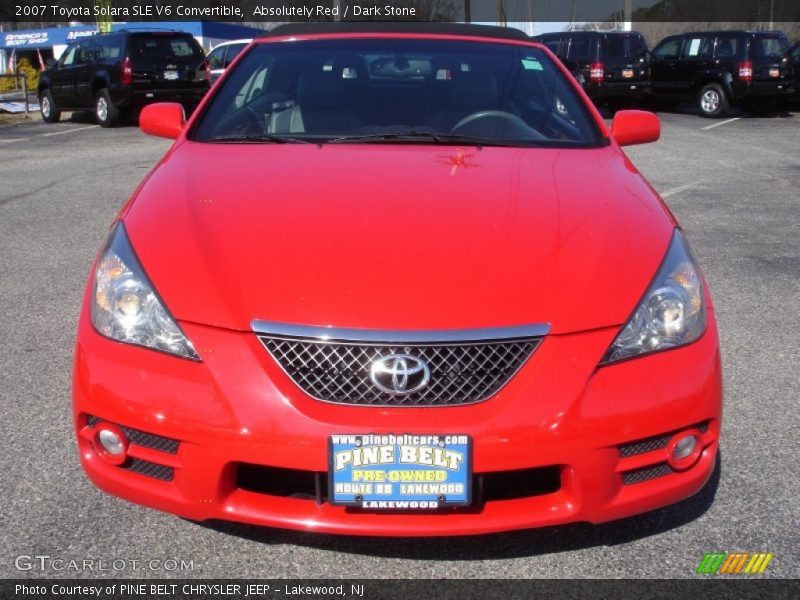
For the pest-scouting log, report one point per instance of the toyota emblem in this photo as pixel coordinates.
(399, 374)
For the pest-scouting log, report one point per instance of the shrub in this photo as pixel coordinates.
(31, 74)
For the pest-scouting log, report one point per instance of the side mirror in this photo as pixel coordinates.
(51, 63)
(631, 127)
(164, 119)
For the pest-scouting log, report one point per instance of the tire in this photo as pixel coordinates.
(105, 111)
(712, 101)
(48, 108)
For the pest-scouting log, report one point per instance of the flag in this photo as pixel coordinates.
(12, 61)
(41, 60)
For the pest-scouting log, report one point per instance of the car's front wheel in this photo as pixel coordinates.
(712, 101)
(48, 108)
(105, 111)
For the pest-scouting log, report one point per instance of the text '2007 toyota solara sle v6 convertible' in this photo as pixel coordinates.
(396, 280)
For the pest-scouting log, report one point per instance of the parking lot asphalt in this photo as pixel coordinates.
(733, 184)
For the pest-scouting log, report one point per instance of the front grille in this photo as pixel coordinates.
(313, 485)
(460, 373)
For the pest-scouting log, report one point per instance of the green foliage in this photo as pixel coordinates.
(24, 67)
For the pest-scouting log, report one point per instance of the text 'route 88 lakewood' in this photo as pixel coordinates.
(212, 590)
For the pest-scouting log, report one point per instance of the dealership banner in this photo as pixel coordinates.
(503, 11)
(46, 37)
(400, 589)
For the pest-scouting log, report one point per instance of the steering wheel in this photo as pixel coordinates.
(500, 117)
(256, 119)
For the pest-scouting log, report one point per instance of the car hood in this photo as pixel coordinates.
(398, 236)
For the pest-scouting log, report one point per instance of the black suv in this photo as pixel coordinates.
(119, 73)
(718, 68)
(610, 65)
(793, 60)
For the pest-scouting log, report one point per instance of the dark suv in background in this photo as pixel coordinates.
(719, 68)
(793, 60)
(611, 66)
(119, 73)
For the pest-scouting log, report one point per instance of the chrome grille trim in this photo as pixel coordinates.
(385, 337)
(335, 371)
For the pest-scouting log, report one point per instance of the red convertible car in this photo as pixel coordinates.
(397, 280)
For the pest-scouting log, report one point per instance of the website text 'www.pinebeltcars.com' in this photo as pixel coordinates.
(44, 563)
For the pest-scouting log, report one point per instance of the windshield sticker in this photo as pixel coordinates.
(531, 64)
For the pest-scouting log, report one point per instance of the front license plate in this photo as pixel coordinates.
(171, 75)
(400, 471)
(627, 73)
(774, 73)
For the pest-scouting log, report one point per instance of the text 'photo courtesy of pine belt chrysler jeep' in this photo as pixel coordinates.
(426, 294)
(716, 69)
(119, 73)
(613, 67)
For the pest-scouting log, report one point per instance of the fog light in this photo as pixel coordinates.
(684, 449)
(111, 443)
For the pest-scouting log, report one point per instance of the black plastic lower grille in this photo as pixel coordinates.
(313, 485)
(288, 483)
(646, 473)
(652, 443)
(142, 438)
(148, 469)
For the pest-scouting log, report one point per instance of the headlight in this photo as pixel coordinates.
(672, 312)
(125, 307)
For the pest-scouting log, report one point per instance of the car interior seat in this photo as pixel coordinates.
(320, 107)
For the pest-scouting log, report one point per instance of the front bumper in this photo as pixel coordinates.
(238, 407)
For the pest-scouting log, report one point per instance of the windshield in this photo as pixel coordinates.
(397, 90)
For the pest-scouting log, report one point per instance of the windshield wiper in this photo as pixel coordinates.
(255, 138)
(417, 136)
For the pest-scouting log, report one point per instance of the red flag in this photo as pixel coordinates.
(41, 60)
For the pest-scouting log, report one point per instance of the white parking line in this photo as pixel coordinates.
(14, 140)
(68, 131)
(678, 190)
(720, 123)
